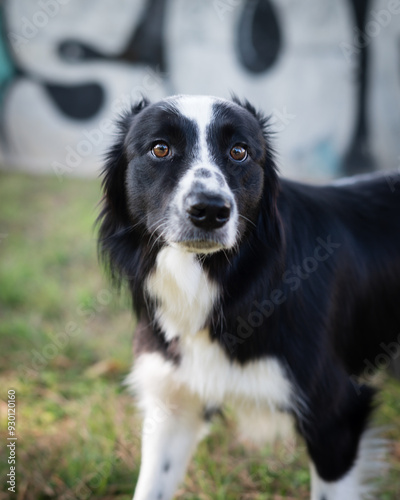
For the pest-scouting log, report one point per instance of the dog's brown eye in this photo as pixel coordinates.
(238, 153)
(160, 150)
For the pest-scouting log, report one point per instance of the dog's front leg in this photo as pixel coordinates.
(172, 426)
(165, 454)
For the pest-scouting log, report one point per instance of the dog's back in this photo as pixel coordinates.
(361, 217)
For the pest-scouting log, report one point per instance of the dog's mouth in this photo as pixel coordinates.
(200, 246)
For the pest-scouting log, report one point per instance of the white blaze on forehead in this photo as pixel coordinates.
(197, 108)
(200, 110)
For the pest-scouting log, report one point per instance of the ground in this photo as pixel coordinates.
(65, 348)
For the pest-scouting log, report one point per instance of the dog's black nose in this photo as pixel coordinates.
(208, 211)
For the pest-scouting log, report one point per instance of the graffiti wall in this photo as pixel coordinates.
(327, 71)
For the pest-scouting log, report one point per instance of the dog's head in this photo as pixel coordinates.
(189, 171)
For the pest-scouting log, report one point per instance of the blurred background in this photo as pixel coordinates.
(328, 74)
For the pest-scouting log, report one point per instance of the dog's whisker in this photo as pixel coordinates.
(160, 235)
(226, 256)
(247, 219)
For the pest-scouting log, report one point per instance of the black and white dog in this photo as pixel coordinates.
(250, 290)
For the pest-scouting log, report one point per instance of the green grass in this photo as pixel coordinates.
(65, 347)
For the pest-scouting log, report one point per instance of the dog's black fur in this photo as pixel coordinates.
(314, 279)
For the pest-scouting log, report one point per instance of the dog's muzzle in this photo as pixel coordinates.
(203, 215)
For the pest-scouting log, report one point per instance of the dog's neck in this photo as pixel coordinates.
(182, 291)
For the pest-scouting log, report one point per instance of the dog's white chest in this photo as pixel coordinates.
(184, 294)
(208, 372)
(185, 297)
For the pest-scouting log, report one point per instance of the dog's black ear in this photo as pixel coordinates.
(113, 220)
(269, 223)
(114, 171)
(262, 119)
(265, 125)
